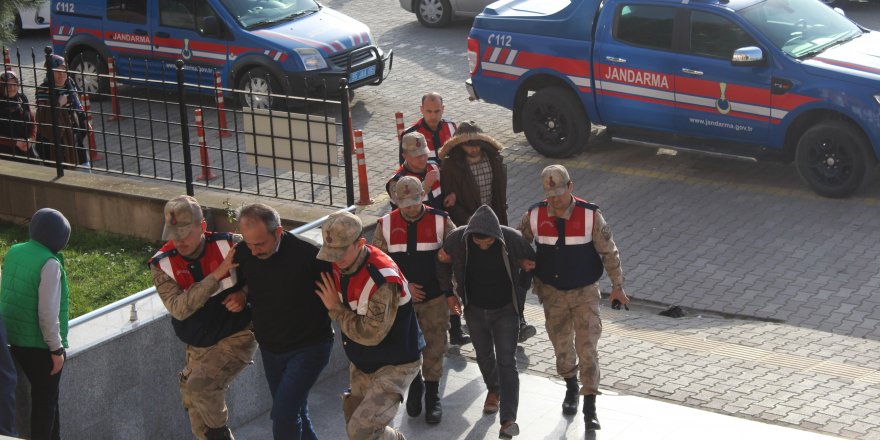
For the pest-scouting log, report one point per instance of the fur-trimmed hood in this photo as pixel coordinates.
(468, 131)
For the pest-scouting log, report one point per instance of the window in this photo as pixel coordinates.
(186, 14)
(715, 36)
(644, 25)
(129, 11)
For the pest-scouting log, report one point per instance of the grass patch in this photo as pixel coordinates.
(101, 267)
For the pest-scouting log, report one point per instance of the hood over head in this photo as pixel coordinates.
(484, 221)
(468, 131)
(50, 228)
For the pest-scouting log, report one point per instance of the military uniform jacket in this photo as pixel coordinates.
(566, 256)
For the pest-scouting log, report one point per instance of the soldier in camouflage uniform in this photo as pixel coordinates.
(194, 276)
(368, 296)
(574, 245)
(412, 235)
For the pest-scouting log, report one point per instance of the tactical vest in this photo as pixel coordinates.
(566, 260)
(414, 246)
(213, 321)
(404, 342)
(435, 139)
(19, 294)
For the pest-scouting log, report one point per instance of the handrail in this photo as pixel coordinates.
(147, 292)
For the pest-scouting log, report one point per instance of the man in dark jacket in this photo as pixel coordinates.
(279, 271)
(486, 262)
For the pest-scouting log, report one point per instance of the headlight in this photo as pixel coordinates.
(311, 58)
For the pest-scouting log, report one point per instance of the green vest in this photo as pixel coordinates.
(19, 294)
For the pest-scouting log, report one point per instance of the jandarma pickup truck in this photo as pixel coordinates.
(790, 80)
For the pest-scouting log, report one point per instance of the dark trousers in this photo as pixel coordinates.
(290, 376)
(45, 417)
(7, 386)
(494, 334)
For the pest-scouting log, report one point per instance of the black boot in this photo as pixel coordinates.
(221, 433)
(570, 403)
(591, 421)
(414, 397)
(433, 410)
(457, 336)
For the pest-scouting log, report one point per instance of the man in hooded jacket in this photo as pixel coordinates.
(486, 262)
(34, 305)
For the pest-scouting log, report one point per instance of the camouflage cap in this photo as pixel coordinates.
(181, 214)
(408, 192)
(339, 231)
(414, 144)
(555, 180)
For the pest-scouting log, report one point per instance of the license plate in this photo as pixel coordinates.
(361, 74)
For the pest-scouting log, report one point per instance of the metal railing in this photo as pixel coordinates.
(168, 121)
(146, 293)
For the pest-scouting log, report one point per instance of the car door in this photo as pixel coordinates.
(634, 68)
(715, 98)
(127, 35)
(190, 30)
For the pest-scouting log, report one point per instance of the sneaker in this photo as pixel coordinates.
(509, 429)
(459, 339)
(526, 331)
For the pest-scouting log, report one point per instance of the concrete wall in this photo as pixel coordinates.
(124, 205)
(126, 388)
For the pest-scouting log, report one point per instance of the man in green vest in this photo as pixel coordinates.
(34, 305)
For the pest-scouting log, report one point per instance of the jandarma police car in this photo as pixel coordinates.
(784, 79)
(264, 46)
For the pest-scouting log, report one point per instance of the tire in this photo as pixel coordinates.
(433, 13)
(555, 123)
(90, 65)
(259, 82)
(834, 158)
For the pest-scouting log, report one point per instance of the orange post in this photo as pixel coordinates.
(93, 149)
(6, 60)
(114, 100)
(221, 115)
(398, 118)
(362, 169)
(203, 148)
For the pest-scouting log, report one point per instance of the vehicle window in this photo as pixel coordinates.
(715, 36)
(186, 14)
(127, 11)
(645, 25)
(800, 27)
(257, 13)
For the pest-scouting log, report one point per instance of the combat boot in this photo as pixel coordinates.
(591, 421)
(221, 433)
(414, 397)
(433, 410)
(570, 403)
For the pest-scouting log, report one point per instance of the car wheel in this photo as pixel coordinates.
(256, 86)
(555, 123)
(834, 158)
(85, 68)
(433, 13)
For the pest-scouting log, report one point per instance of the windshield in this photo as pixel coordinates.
(800, 28)
(259, 13)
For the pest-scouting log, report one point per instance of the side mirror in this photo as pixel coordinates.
(210, 26)
(748, 56)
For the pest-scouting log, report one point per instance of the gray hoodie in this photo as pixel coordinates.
(484, 221)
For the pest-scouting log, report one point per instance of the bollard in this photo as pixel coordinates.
(6, 60)
(398, 117)
(221, 115)
(93, 148)
(203, 148)
(362, 169)
(114, 100)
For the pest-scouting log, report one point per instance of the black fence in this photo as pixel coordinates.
(174, 122)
